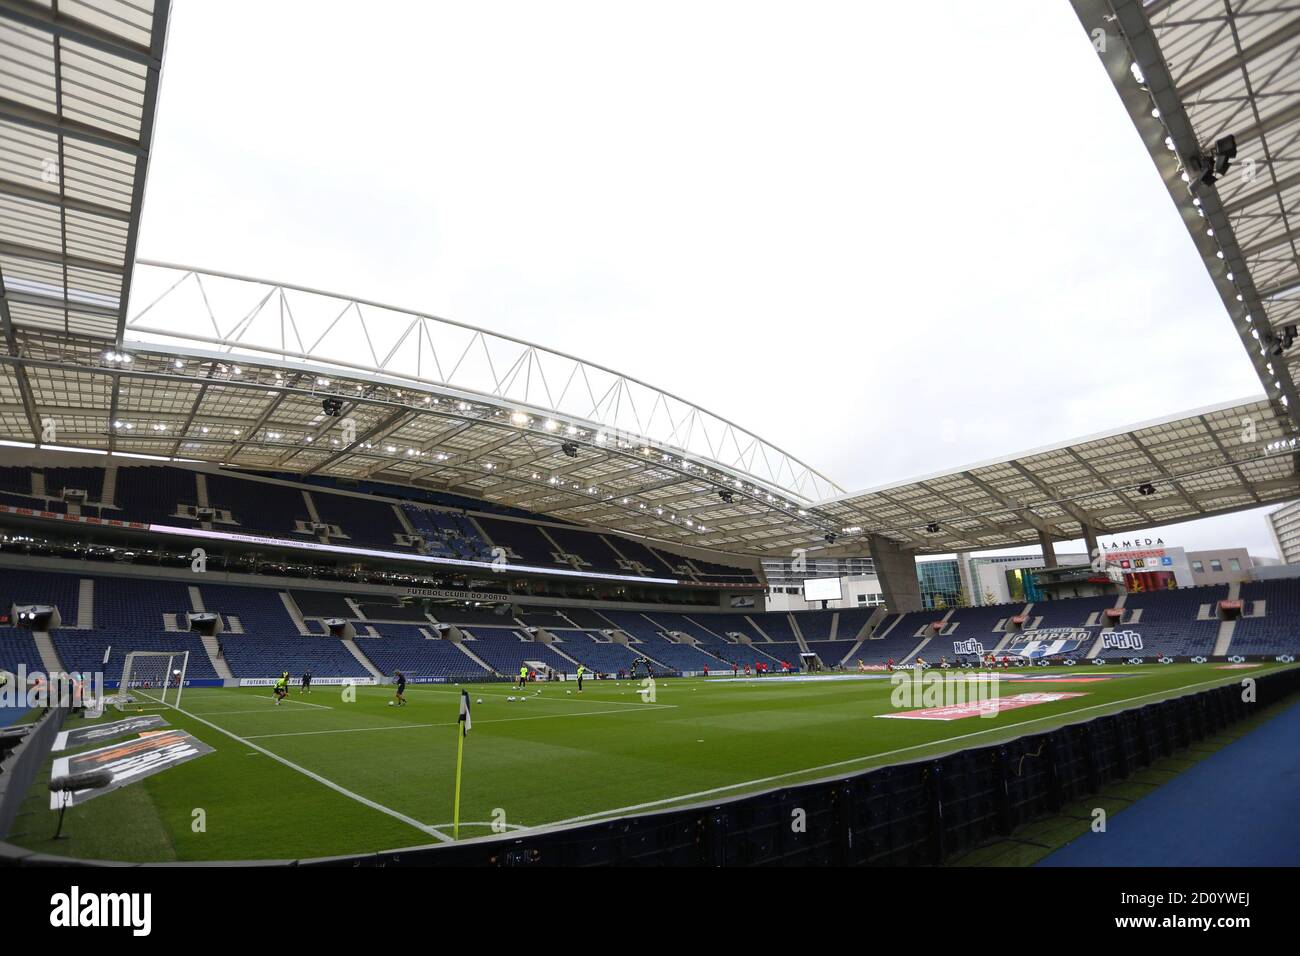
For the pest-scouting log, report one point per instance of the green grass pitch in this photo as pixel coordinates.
(319, 776)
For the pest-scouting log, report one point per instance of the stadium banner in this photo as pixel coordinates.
(195, 682)
(495, 597)
(102, 733)
(73, 519)
(128, 762)
(424, 680)
(1121, 641)
(291, 544)
(1046, 642)
(324, 681)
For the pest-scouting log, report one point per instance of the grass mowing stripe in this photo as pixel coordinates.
(453, 723)
(558, 700)
(431, 831)
(699, 795)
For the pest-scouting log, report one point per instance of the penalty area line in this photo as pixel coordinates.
(325, 781)
(453, 723)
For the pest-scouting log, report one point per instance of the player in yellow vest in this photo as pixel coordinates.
(581, 670)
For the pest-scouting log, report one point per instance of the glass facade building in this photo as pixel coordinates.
(940, 583)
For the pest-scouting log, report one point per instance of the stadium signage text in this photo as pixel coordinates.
(493, 596)
(76, 909)
(1122, 641)
(328, 681)
(1136, 543)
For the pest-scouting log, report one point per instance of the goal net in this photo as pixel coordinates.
(153, 678)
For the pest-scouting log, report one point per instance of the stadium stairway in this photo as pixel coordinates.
(798, 633)
(109, 491)
(1227, 628)
(1097, 644)
(869, 627)
(85, 604)
(558, 647)
(1221, 644)
(356, 652)
(219, 664)
(755, 625)
(295, 614)
(475, 658)
(50, 659)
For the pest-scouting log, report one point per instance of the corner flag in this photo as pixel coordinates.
(465, 723)
(464, 712)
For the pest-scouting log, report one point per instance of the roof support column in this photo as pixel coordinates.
(896, 571)
(1090, 541)
(1049, 551)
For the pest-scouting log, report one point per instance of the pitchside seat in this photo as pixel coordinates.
(84, 651)
(596, 651)
(250, 655)
(1277, 630)
(18, 649)
(403, 648)
(830, 652)
(506, 649)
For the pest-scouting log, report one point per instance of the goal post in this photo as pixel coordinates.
(155, 676)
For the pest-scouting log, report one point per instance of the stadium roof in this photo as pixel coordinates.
(1191, 73)
(78, 88)
(77, 95)
(1216, 460)
(239, 371)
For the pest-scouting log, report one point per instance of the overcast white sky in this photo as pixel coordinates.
(892, 239)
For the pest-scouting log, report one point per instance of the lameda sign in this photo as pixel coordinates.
(77, 909)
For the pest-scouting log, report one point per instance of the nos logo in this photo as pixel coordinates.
(971, 646)
(1122, 641)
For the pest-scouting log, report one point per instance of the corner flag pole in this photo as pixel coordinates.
(463, 723)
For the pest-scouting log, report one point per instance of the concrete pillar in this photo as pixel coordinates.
(973, 596)
(896, 571)
(1049, 552)
(1089, 540)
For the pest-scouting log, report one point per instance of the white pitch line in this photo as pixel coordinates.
(325, 781)
(701, 794)
(269, 703)
(558, 700)
(452, 723)
(228, 713)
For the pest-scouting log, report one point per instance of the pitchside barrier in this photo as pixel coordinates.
(916, 813)
(909, 814)
(19, 766)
